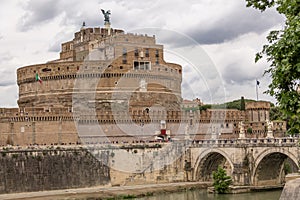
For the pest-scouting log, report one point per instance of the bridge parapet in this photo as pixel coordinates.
(250, 142)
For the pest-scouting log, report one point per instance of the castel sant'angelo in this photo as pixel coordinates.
(111, 86)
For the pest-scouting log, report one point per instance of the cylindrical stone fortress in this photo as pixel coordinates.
(118, 64)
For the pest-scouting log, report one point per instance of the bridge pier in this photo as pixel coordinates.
(241, 175)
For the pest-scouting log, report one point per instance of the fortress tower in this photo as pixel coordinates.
(119, 63)
(103, 76)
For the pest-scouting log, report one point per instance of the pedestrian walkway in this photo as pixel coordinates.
(104, 191)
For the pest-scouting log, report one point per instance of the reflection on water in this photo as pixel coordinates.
(203, 195)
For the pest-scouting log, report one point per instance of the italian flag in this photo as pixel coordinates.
(38, 78)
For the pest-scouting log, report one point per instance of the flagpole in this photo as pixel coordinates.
(35, 99)
(256, 90)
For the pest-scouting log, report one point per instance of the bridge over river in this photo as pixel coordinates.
(256, 162)
(252, 162)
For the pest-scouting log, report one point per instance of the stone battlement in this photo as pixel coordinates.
(258, 105)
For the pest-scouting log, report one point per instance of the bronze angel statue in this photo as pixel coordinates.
(106, 15)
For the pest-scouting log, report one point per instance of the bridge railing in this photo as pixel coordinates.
(287, 141)
(268, 142)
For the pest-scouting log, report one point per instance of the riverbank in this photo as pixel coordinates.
(247, 189)
(106, 192)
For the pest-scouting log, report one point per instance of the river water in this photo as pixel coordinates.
(203, 195)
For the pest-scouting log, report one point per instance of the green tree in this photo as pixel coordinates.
(276, 114)
(205, 107)
(287, 168)
(242, 103)
(249, 130)
(221, 181)
(283, 54)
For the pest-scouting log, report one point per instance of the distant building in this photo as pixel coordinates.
(188, 104)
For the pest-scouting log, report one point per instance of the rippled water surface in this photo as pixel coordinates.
(203, 195)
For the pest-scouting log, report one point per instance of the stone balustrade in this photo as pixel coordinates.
(260, 142)
(285, 141)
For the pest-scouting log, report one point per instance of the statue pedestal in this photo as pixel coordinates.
(270, 134)
(213, 136)
(242, 130)
(107, 26)
(242, 136)
(270, 131)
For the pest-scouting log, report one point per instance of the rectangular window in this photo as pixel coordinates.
(136, 65)
(157, 62)
(141, 65)
(136, 52)
(147, 53)
(156, 53)
(147, 65)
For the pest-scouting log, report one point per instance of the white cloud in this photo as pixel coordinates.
(9, 95)
(236, 61)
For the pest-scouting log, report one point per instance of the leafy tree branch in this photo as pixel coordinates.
(283, 54)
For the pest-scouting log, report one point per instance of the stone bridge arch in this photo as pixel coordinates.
(268, 166)
(208, 161)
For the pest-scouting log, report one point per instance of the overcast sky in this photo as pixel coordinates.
(214, 40)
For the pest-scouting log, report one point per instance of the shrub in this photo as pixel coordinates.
(221, 181)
